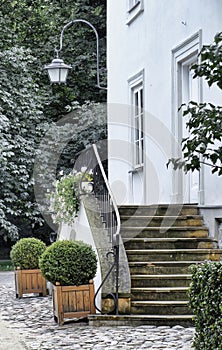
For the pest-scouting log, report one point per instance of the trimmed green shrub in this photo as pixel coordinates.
(26, 253)
(69, 263)
(205, 299)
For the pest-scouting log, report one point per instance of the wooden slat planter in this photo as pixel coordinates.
(72, 301)
(29, 281)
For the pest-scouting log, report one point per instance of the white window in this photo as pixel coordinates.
(137, 119)
(135, 7)
(138, 125)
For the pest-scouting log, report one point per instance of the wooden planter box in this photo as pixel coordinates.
(29, 281)
(72, 301)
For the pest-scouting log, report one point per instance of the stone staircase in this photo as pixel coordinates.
(161, 243)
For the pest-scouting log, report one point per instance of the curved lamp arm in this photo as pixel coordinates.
(97, 45)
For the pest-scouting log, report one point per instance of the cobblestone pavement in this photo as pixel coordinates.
(30, 321)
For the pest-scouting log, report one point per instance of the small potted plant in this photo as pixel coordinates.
(25, 255)
(65, 199)
(70, 266)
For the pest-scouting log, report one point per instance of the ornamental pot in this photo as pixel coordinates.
(70, 302)
(29, 281)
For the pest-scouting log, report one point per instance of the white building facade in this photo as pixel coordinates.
(151, 46)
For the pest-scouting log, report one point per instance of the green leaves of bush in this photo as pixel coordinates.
(26, 253)
(69, 263)
(205, 298)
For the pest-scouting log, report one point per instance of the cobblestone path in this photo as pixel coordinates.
(32, 319)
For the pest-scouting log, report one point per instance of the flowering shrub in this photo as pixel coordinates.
(65, 200)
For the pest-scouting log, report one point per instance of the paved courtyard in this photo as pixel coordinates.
(28, 324)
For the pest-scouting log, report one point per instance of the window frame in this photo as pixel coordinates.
(136, 86)
(135, 8)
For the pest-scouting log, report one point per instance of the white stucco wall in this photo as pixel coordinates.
(147, 44)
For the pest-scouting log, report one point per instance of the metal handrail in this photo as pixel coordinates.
(116, 235)
(114, 238)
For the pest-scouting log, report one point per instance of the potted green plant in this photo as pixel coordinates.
(25, 255)
(70, 266)
(65, 199)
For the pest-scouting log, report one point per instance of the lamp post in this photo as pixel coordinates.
(58, 70)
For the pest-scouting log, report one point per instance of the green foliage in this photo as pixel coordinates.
(204, 126)
(82, 126)
(211, 58)
(6, 265)
(22, 125)
(62, 146)
(65, 200)
(205, 298)
(37, 25)
(26, 253)
(69, 263)
(30, 31)
(203, 145)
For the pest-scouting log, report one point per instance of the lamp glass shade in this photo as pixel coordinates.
(57, 71)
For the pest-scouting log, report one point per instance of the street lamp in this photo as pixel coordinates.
(58, 70)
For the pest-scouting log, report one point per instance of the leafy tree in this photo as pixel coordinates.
(30, 31)
(203, 145)
(22, 125)
(37, 25)
(61, 148)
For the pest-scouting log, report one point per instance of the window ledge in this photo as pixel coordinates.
(137, 169)
(134, 12)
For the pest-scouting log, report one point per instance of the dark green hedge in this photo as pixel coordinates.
(69, 263)
(26, 253)
(205, 298)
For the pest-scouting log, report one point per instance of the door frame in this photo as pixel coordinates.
(182, 55)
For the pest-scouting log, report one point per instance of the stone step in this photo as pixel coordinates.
(162, 242)
(170, 243)
(141, 281)
(173, 254)
(159, 307)
(165, 221)
(99, 320)
(164, 232)
(159, 210)
(161, 267)
(161, 293)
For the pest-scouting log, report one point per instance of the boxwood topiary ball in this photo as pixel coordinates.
(26, 252)
(69, 263)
